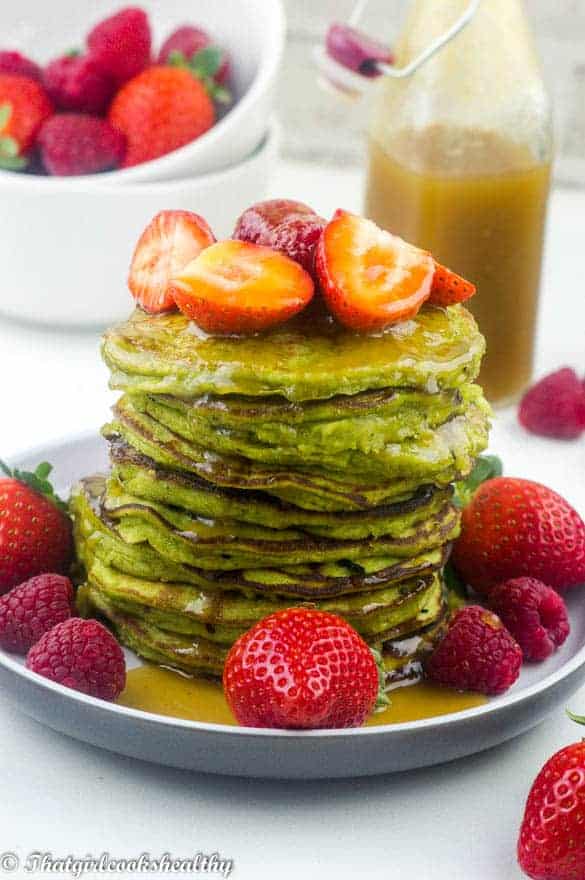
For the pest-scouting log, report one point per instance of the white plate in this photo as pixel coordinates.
(285, 754)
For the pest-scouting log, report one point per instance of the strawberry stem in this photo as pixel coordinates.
(382, 699)
(37, 480)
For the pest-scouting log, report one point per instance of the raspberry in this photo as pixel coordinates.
(83, 655)
(77, 144)
(477, 654)
(30, 610)
(19, 65)
(535, 615)
(78, 84)
(297, 238)
(120, 45)
(555, 406)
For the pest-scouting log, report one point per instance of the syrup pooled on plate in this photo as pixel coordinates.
(166, 692)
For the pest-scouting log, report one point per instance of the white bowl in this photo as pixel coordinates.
(251, 30)
(65, 251)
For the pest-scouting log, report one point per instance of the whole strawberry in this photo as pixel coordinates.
(535, 615)
(74, 143)
(30, 610)
(555, 406)
(35, 529)
(184, 44)
(121, 44)
(20, 65)
(77, 84)
(298, 669)
(159, 111)
(24, 106)
(476, 654)
(551, 845)
(515, 528)
(83, 655)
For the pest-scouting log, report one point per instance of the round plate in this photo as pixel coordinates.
(254, 752)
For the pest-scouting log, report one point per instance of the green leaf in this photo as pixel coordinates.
(16, 164)
(580, 719)
(457, 591)
(486, 468)
(206, 62)
(8, 147)
(5, 114)
(37, 481)
(177, 59)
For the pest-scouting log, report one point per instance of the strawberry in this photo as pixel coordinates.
(159, 111)
(24, 106)
(77, 84)
(120, 45)
(449, 288)
(168, 244)
(301, 669)
(514, 528)
(35, 530)
(551, 844)
(370, 278)
(185, 43)
(238, 287)
(74, 143)
(258, 222)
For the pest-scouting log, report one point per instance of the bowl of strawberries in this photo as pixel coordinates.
(143, 93)
(108, 115)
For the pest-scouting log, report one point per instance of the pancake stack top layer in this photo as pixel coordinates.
(306, 464)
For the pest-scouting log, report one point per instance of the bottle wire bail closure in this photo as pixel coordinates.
(342, 79)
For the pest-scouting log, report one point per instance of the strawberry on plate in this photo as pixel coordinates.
(449, 288)
(370, 278)
(35, 529)
(301, 669)
(238, 287)
(24, 106)
(514, 528)
(169, 243)
(160, 110)
(551, 844)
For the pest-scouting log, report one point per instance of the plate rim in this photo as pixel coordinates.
(508, 701)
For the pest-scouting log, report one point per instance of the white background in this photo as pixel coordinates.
(454, 822)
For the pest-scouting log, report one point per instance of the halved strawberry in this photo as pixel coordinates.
(370, 278)
(239, 287)
(449, 288)
(170, 241)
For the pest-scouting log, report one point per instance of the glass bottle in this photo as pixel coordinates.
(459, 163)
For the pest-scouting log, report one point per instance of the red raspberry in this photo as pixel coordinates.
(297, 238)
(535, 615)
(19, 65)
(120, 45)
(30, 610)
(78, 84)
(555, 406)
(72, 143)
(477, 654)
(83, 655)
(187, 41)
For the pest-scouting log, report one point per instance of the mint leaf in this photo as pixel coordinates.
(486, 468)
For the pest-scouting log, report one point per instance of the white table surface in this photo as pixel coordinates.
(455, 822)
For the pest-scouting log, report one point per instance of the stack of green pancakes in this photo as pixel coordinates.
(305, 465)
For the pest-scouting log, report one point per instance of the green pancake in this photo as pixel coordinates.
(96, 538)
(309, 358)
(369, 446)
(397, 471)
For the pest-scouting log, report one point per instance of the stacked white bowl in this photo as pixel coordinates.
(66, 242)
